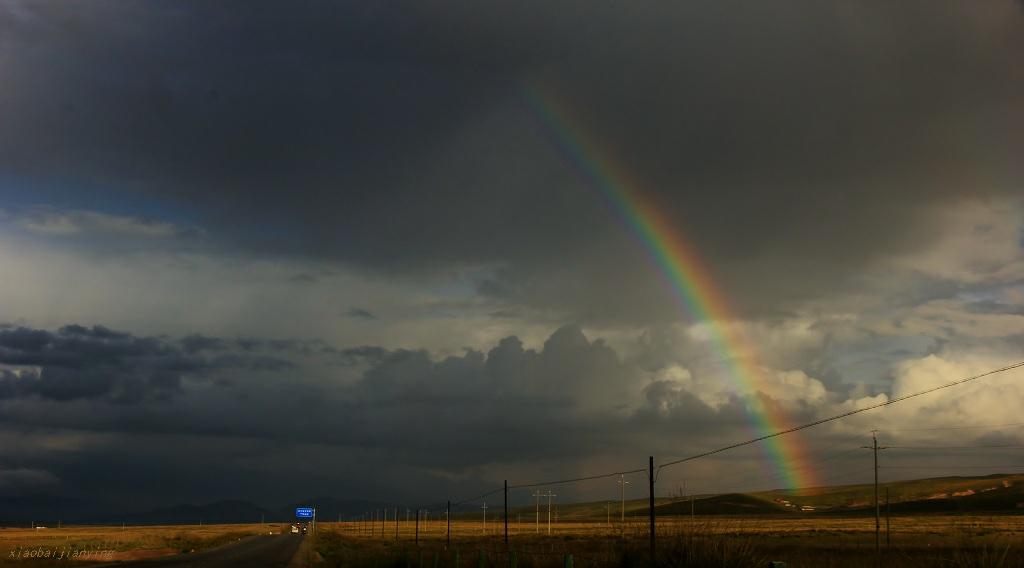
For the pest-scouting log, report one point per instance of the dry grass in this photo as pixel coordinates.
(122, 544)
(811, 541)
(901, 527)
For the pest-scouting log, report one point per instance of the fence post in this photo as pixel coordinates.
(650, 489)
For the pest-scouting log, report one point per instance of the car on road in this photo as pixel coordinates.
(295, 529)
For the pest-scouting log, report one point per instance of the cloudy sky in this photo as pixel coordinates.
(247, 243)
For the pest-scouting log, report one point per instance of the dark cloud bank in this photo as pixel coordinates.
(199, 417)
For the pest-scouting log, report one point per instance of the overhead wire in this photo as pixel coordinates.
(765, 437)
(842, 415)
(1000, 446)
(576, 479)
(949, 466)
(940, 428)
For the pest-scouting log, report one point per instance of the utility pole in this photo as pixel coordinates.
(550, 495)
(417, 527)
(506, 514)
(622, 511)
(650, 494)
(396, 523)
(537, 523)
(485, 516)
(608, 513)
(874, 447)
(448, 518)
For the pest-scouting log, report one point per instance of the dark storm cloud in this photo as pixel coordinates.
(360, 313)
(396, 135)
(77, 362)
(199, 342)
(408, 410)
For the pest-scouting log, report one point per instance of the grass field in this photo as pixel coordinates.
(720, 541)
(801, 541)
(88, 544)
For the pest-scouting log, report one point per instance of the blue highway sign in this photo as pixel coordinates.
(303, 512)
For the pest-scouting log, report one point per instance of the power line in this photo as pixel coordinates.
(745, 477)
(574, 480)
(843, 415)
(956, 447)
(479, 497)
(822, 480)
(976, 427)
(848, 473)
(950, 466)
(767, 436)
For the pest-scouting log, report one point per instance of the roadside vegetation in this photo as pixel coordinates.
(42, 548)
(821, 542)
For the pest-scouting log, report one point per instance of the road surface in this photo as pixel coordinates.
(264, 551)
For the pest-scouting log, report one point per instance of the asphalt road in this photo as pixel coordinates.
(264, 551)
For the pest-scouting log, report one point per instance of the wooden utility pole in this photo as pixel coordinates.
(396, 524)
(448, 518)
(622, 511)
(485, 516)
(549, 495)
(506, 514)
(537, 521)
(874, 447)
(417, 527)
(650, 494)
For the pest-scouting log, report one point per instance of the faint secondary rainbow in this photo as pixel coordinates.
(689, 280)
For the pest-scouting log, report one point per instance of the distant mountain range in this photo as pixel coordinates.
(1003, 493)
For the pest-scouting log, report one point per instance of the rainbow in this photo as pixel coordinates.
(687, 277)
